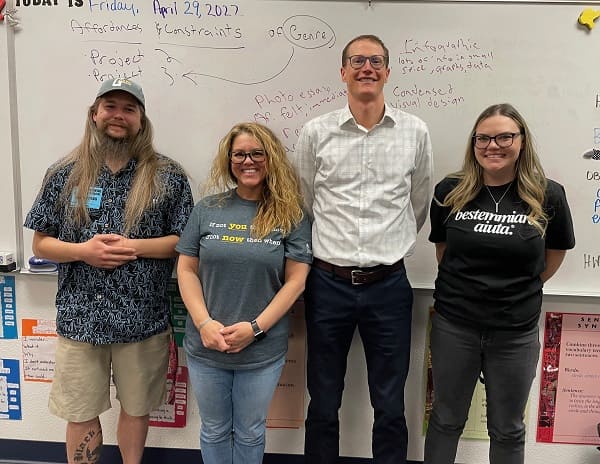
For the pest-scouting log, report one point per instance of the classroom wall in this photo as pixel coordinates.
(35, 300)
(542, 61)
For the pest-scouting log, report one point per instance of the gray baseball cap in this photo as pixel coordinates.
(124, 85)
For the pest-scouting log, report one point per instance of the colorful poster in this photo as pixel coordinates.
(8, 308)
(174, 412)
(39, 348)
(287, 406)
(569, 407)
(10, 389)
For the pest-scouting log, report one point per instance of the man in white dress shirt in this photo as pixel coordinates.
(366, 172)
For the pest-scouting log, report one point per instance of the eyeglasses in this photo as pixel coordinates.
(238, 157)
(504, 140)
(358, 61)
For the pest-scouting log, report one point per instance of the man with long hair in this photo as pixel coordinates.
(110, 213)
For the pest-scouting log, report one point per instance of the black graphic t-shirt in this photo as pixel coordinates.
(489, 276)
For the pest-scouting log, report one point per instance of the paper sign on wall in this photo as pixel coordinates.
(569, 408)
(8, 309)
(287, 406)
(10, 389)
(39, 348)
(173, 414)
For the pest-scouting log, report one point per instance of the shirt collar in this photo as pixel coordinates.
(389, 118)
(128, 168)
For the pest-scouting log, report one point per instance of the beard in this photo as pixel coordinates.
(114, 148)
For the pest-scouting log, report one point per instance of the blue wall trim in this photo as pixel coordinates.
(54, 452)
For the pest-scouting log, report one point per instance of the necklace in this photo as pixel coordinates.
(500, 200)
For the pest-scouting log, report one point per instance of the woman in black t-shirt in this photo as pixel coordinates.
(501, 229)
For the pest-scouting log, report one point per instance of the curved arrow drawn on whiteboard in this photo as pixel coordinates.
(192, 73)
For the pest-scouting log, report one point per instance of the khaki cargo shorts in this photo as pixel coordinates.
(81, 386)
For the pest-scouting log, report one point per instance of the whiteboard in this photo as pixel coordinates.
(206, 65)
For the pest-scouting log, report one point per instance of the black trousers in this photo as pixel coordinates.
(382, 312)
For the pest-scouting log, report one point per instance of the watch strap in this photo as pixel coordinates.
(259, 334)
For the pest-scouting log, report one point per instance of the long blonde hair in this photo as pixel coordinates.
(529, 174)
(281, 202)
(87, 160)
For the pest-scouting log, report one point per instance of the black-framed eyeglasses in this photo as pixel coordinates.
(503, 140)
(358, 61)
(257, 155)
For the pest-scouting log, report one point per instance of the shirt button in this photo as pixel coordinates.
(109, 200)
(105, 226)
(98, 296)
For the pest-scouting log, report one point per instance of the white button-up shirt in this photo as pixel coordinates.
(367, 190)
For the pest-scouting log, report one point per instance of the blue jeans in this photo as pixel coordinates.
(382, 312)
(233, 408)
(508, 360)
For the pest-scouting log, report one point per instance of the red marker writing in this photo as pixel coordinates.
(2, 5)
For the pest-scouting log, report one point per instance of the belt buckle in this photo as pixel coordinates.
(356, 274)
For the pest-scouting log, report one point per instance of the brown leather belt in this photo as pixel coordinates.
(359, 275)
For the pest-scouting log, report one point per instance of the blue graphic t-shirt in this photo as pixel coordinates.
(240, 274)
(129, 303)
(489, 275)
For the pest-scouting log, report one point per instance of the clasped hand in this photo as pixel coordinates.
(230, 339)
(107, 251)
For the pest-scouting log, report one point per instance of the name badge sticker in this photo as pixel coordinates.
(94, 198)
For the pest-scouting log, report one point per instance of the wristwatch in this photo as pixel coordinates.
(258, 332)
